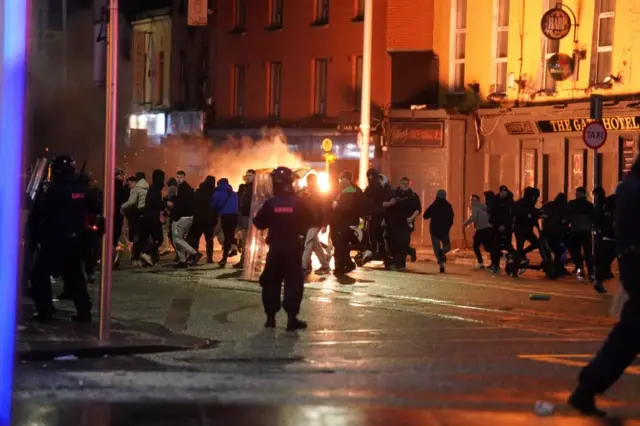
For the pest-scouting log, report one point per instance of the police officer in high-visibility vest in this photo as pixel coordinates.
(59, 221)
(288, 218)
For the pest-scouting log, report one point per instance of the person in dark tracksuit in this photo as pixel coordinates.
(622, 346)
(287, 217)
(204, 220)
(501, 218)
(605, 240)
(375, 194)
(441, 214)
(59, 216)
(581, 217)
(554, 229)
(151, 234)
(525, 220)
(347, 210)
(401, 215)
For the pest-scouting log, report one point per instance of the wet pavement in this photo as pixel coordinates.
(417, 342)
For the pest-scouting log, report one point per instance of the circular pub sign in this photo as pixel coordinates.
(556, 24)
(560, 66)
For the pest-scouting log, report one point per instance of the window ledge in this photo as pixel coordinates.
(322, 23)
(238, 31)
(273, 27)
(358, 18)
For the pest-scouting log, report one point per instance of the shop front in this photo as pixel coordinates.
(543, 147)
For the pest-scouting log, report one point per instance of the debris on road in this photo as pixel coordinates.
(539, 296)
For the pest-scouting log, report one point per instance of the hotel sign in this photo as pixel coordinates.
(612, 124)
(417, 134)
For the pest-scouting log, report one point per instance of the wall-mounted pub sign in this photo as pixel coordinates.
(612, 124)
(417, 134)
(556, 23)
(560, 66)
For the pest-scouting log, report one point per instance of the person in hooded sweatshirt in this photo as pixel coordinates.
(605, 237)
(151, 230)
(375, 194)
(483, 235)
(345, 218)
(134, 208)
(224, 204)
(554, 228)
(441, 215)
(182, 213)
(501, 218)
(204, 221)
(581, 215)
(525, 220)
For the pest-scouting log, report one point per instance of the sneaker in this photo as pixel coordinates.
(52, 279)
(478, 266)
(180, 265)
(494, 269)
(599, 288)
(270, 322)
(195, 259)
(323, 271)
(233, 253)
(222, 263)
(209, 260)
(367, 256)
(144, 257)
(295, 324)
(442, 270)
(585, 403)
(413, 255)
(239, 265)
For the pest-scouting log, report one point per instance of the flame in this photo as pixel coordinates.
(323, 181)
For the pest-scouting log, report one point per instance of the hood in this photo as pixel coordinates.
(441, 194)
(143, 184)
(223, 185)
(208, 183)
(561, 199)
(157, 178)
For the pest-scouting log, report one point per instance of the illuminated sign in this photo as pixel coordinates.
(560, 66)
(555, 24)
(578, 124)
(417, 134)
(520, 128)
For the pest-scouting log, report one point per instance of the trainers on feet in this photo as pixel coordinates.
(478, 266)
(270, 322)
(295, 324)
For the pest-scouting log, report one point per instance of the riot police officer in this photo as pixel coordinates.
(288, 218)
(59, 215)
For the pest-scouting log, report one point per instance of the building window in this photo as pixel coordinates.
(239, 78)
(357, 82)
(502, 46)
(320, 87)
(602, 66)
(275, 88)
(276, 14)
(321, 12)
(359, 12)
(459, 42)
(240, 15)
(551, 47)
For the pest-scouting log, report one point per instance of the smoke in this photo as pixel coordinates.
(200, 156)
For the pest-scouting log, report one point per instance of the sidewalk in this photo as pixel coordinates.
(63, 338)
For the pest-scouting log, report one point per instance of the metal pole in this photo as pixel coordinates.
(596, 114)
(65, 41)
(109, 170)
(365, 107)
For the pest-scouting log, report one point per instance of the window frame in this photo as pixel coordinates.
(240, 16)
(455, 61)
(320, 87)
(239, 82)
(321, 11)
(276, 14)
(275, 96)
(498, 60)
(603, 49)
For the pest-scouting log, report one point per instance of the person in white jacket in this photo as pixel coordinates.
(133, 208)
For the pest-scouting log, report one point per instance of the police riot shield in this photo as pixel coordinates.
(256, 243)
(38, 176)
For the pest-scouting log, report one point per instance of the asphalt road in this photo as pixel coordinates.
(462, 342)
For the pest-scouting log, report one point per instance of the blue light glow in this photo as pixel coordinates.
(13, 41)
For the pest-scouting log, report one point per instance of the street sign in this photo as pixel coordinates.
(327, 145)
(594, 135)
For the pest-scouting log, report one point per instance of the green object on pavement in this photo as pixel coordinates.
(539, 297)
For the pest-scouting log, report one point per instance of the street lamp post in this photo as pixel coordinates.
(365, 106)
(109, 170)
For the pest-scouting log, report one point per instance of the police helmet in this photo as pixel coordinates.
(63, 166)
(282, 178)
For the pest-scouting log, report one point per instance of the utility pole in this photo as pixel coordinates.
(110, 144)
(65, 42)
(365, 106)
